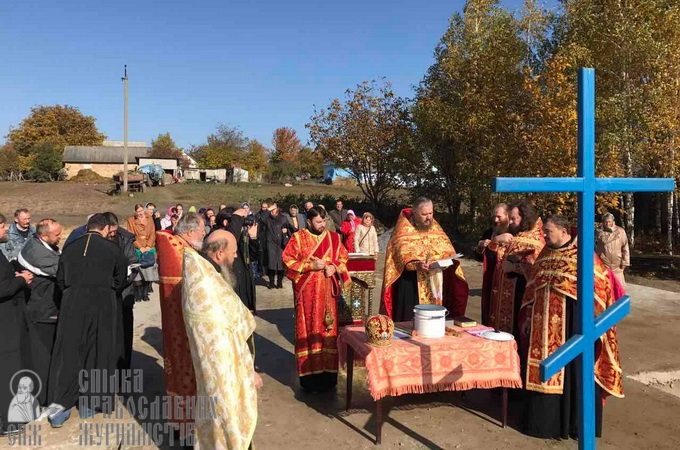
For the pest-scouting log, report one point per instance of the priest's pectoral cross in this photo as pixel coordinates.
(586, 185)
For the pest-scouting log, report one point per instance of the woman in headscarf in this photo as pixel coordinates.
(365, 236)
(173, 221)
(142, 226)
(296, 219)
(348, 229)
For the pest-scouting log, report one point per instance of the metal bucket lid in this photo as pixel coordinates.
(430, 310)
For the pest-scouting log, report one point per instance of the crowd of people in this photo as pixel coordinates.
(69, 308)
(68, 311)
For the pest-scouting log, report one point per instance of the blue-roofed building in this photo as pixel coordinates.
(332, 173)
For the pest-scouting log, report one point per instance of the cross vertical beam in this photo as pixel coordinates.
(586, 248)
(580, 346)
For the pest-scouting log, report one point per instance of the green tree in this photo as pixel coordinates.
(164, 147)
(225, 147)
(310, 162)
(367, 135)
(46, 163)
(59, 125)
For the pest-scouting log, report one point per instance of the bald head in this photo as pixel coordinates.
(220, 246)
(49, 230)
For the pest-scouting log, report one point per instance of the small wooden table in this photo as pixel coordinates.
(456, 363)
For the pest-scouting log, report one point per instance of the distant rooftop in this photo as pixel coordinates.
(102, 154)
(122, 144)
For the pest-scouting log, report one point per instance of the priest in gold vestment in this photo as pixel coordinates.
(547, 322)
(411, 277)
(218, 326)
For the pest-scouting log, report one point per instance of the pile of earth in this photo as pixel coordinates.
(90, 177)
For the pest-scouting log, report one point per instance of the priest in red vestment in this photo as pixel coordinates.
(410, 276)
(316, 260)
(517, 251)
(492, 251)
(180, 381)
(547, 321)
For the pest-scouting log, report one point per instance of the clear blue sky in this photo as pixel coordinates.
(193, 64)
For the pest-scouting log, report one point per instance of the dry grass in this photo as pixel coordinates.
(70, 203)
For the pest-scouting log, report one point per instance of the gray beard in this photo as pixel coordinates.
(422, 226)
(228, 274)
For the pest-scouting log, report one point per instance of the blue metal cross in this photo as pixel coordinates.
(587, 327)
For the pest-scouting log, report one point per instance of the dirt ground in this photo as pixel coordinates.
(288, 419)
(647, 418)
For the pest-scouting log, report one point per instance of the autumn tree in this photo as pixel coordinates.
(633, 47)
(469, 110)
(226, 146)
(286, 144)
(255, 161)
(59, 125)
(661, 156)
(284, 159)
(10, 167)
(367, 136)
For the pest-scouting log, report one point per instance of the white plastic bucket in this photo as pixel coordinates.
(430, 320)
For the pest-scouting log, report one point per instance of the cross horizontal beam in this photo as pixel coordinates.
(565, 354)
(574, 346)
(578, 185)
(612, 315)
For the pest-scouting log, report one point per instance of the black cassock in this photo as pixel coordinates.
(274, 241)
(92, 274)
(248, 251)
(552, 416)
(20, 346)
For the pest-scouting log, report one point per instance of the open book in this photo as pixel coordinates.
(441, 264)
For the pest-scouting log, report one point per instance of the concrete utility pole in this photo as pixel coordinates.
(125, 133)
